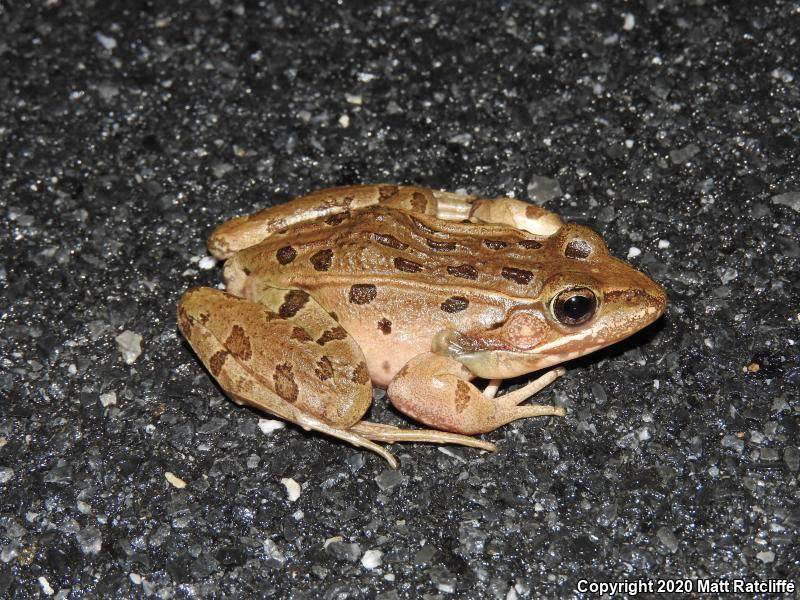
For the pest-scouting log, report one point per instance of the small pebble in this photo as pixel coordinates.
(666, 537)
(541, 189)
(292, 488)
(207, 262)
(684, 154)
(135, 578)
(633, 252)
(6, 473)
(629, 23)
(353, 99)
(389, 479)
(273, 551)
(790, 199)
(108, 399)
(108, 43)
(663, 244)
(372, 559)
(767, 556)
(344, 121)
(343, 551)
(45, 585)
(270, 425)
(174, 480)
(129, 345)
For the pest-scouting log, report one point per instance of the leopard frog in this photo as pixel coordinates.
(414, 290)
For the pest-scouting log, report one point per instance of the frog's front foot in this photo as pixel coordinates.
(434, 390)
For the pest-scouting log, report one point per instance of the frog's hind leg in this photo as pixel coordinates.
(391, 435)
(243, 232)
(316, 377)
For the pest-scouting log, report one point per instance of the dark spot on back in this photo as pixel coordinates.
(577, 249)
(239, 343)
(334, 316)
(530, 244)
(387, 191)
(324, 369)
(300, 334)
(360, 374)
(286, 255)
(337, 218)
(337, 333)
(389, 240)
(419, 202)
(246, 270)
(292, 302)
(321, 260)
(455, 304)
(363, 293)
(216, 361)
(521, 276)
(440, 246)
(271, 315)
(285, 385)
(407, 266)
(494, 244)
(463, 271)
(385, 325)
(421, 226)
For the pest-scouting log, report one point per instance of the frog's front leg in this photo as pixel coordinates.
(435, 390)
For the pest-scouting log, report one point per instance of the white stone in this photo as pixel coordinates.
(372, 559)
(293, 488)
(129, 345)
(108, 43)
(45, 585)
(268, 426)
(108, 399)
(629, 23)
(207, 262)
(174, 480)
(767, 556)
(633, 252)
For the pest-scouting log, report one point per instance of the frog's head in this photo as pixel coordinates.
(588, 300)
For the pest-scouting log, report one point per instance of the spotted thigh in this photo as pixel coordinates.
(283, 342)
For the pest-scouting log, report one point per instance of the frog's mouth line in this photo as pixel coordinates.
(504, 363)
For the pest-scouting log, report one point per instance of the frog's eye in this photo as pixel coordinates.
(575, 306)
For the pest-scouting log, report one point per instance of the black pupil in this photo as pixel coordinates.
(576, 307)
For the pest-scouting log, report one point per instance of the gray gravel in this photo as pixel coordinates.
(129, 130)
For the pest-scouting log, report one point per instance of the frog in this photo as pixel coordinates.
(421, 292)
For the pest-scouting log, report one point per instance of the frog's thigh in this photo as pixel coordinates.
(270, 362)
(434, 390)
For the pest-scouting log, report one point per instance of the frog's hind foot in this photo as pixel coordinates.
(391, 435)
(356, 438)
